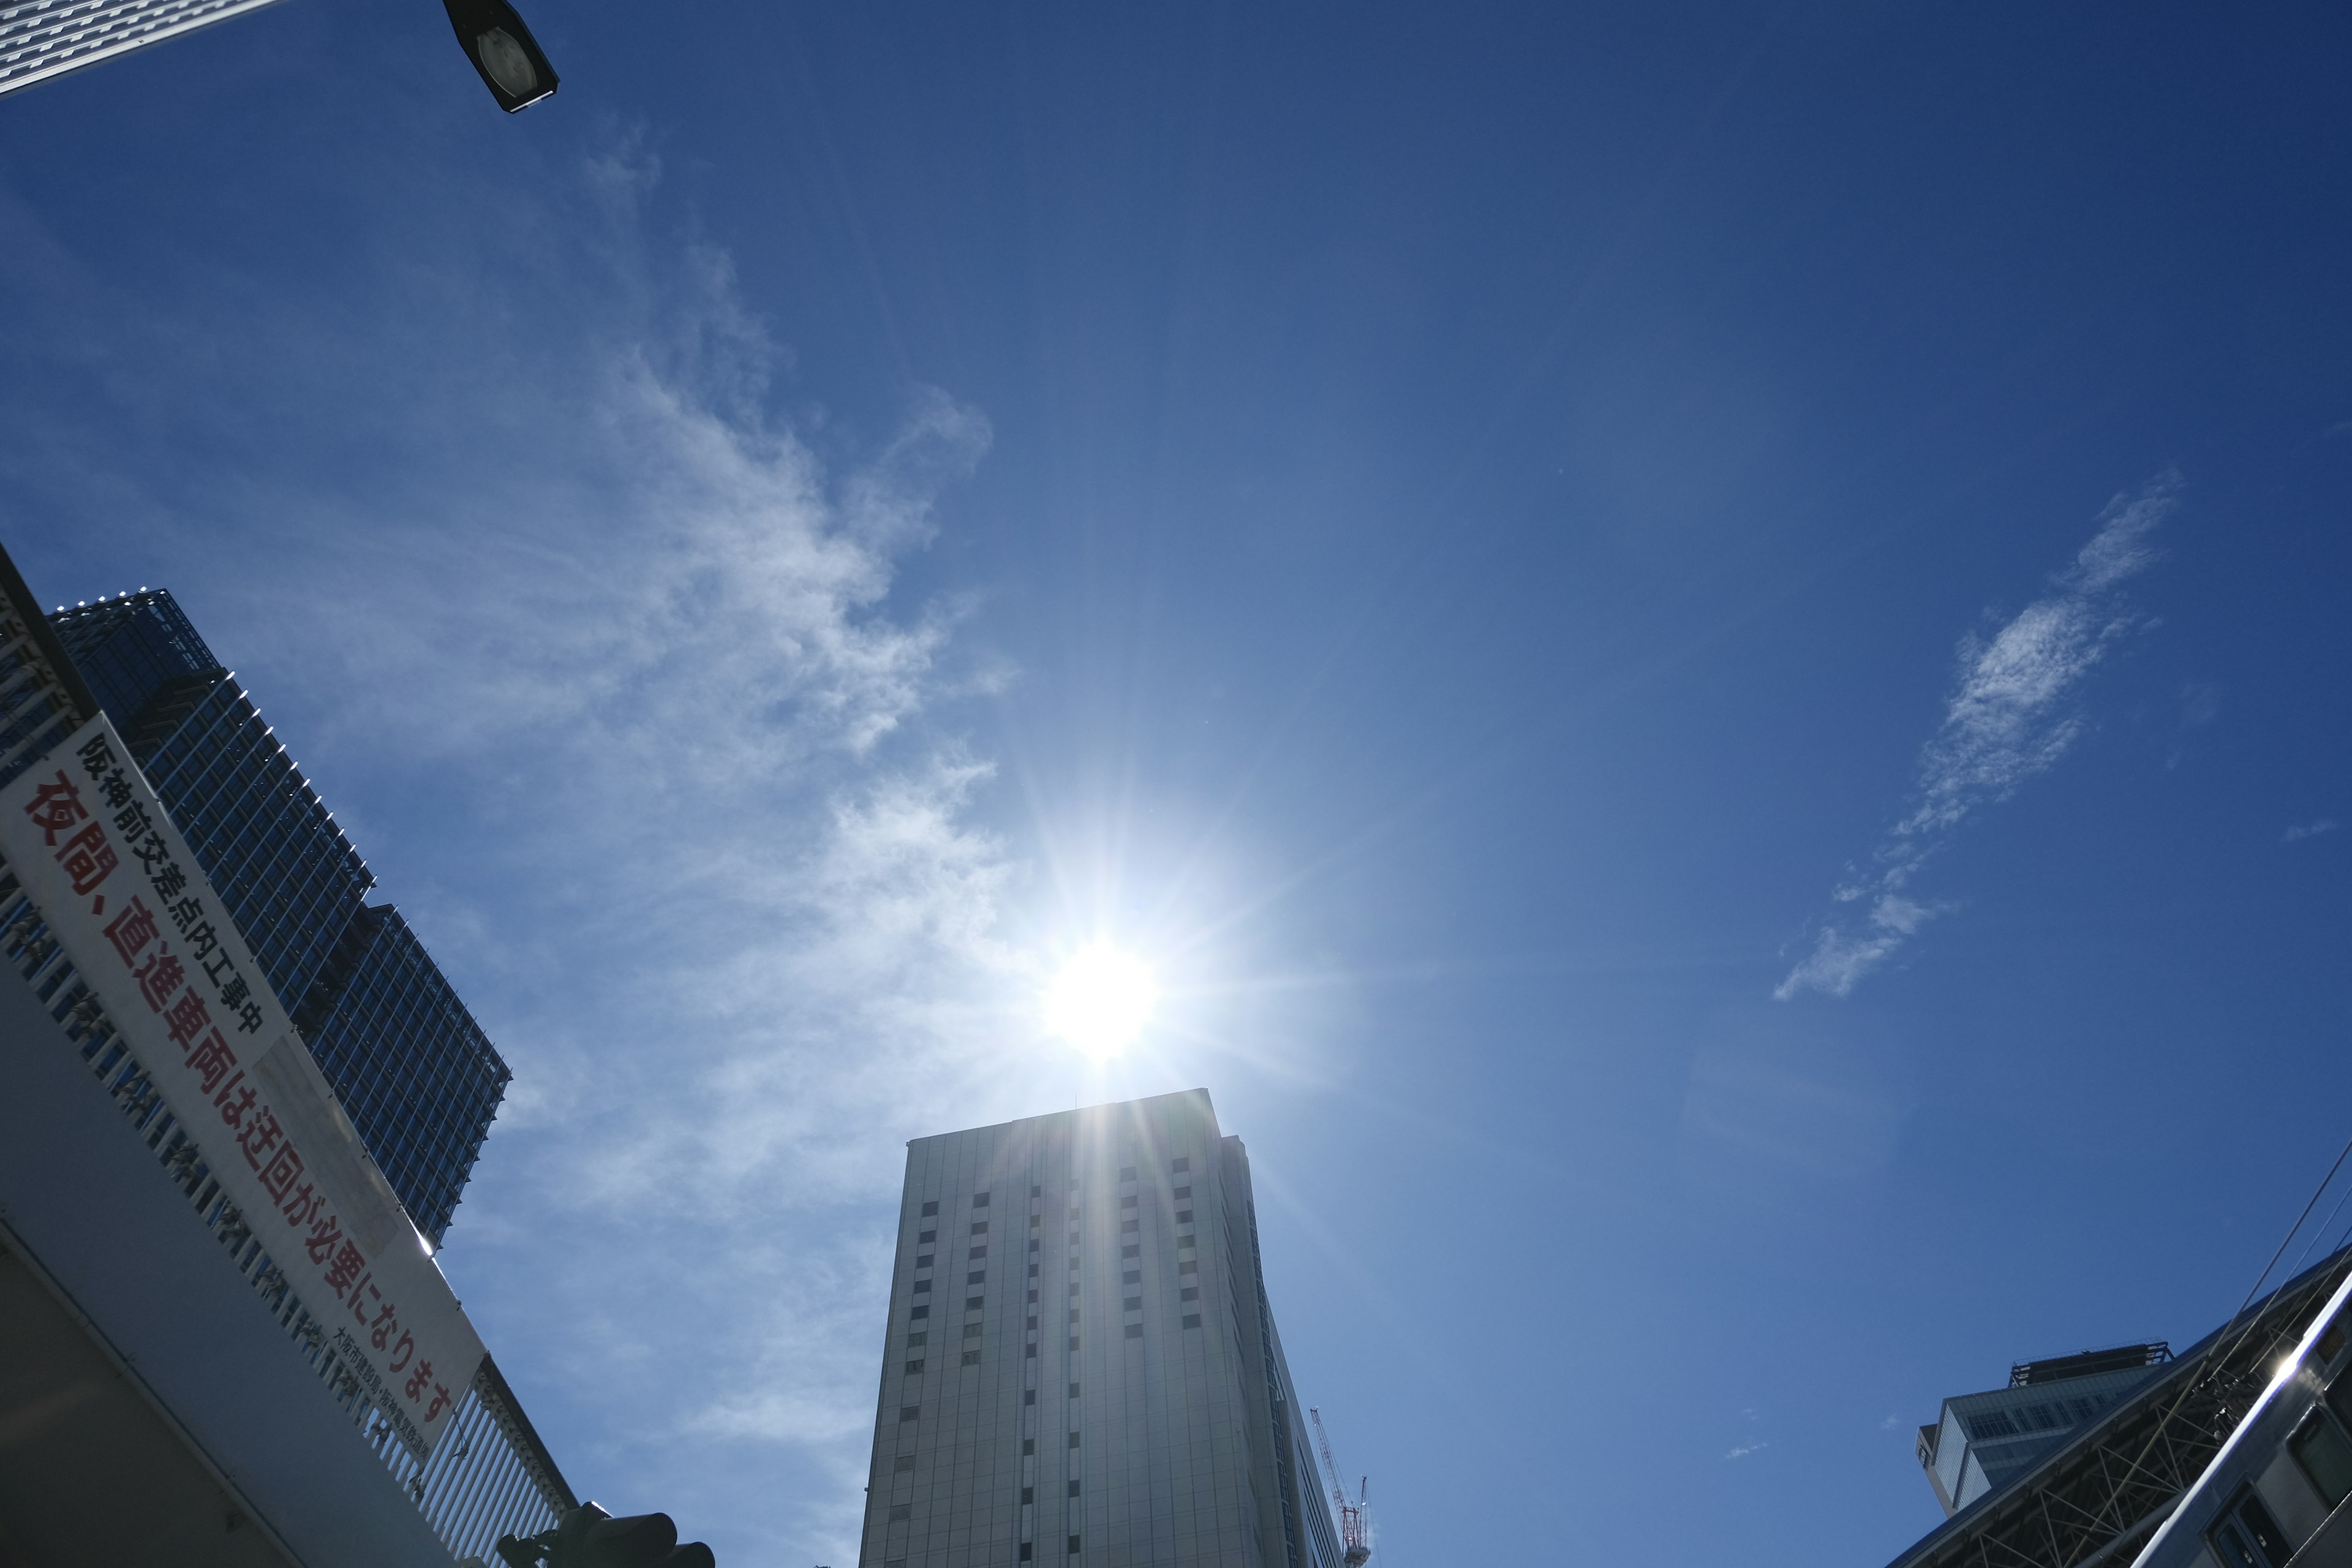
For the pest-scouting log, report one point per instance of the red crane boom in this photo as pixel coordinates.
(1354, 1546)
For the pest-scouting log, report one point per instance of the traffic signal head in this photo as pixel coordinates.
(588, 1537)
(503, 51)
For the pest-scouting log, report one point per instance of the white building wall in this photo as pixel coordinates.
(1163, 1453)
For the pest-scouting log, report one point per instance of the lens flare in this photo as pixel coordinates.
(1101, 1000)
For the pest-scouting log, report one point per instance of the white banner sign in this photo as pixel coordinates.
(115, 882)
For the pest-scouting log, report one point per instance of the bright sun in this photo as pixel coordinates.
(1101, 1000)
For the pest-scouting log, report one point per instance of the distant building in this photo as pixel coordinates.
(2096, 1494)
(44, 38)
(419, 1079)
(194, 1243)
(1982, 1439)
(1081, 1363)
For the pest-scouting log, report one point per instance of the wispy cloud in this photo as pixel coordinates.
(614, 676)
(2010, 717)
(1745, 1449)
(2310, 829)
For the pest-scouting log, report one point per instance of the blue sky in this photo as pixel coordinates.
(1706, 643)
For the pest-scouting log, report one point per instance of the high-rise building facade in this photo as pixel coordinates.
(419, 1079)
(1979, 1440)
(44, 38)
(1082, 1366)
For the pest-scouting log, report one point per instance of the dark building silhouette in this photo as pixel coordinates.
(419, 1079)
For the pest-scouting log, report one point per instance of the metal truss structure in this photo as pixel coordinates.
(2093, 1501)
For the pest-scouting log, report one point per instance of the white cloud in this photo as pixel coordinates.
(2310, 829)
(617, 683)
(2008, 719)
(1744, 1449)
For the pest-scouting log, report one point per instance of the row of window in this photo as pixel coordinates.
(2021, 1420)
(1178, 1167)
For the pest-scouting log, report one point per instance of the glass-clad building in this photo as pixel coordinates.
(419, 1079)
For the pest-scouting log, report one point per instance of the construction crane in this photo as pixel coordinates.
(1353, 1545)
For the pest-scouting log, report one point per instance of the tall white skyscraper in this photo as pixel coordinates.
(1081, 1365)
(44, 38)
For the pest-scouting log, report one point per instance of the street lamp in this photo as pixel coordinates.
(503, 51)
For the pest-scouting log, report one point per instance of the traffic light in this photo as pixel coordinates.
(588, 1537)
(503, 51)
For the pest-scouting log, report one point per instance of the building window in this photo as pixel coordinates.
(979, 1227)
(1074, 1546)
(972, 1303)
(914, 1339)
(1028, 1494)
(906, 1462)
(921, 1285)
(977, 1276)
(1035, 1220)
(1073, 1489)
(1024, 1552)
(2247, 1537)
(1132, 1276)
(2325, 1456)
(1191, 1320)
(929, 1209)
(1184, 1192)
(1033, 1297)
(1028, 1396)
(980, 1251)
(1036, 1192)
(1188, 1266)
(1134, 1303)
(1073, 1287)
(1128, 1202)
(980, 1200)
(1183, 1163)
(1073, 1440)
(1074, 1391)
(900, 1510)
(1033, 1274)
(1033, 1349)
(1190, 1293)
(1074, 1238)
(1129, 1227)
(1184, 1241)
(1135, 1330)
(914, 1366)
(1032, 1320)
(971, 1358)
(1028, 1445)
(922, 1309)
(910, 1412)
(923, 1260)
(1130, 1252)
(972, 1331)
(1183, 1217)
(1127, 1173)
(926, 1237)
